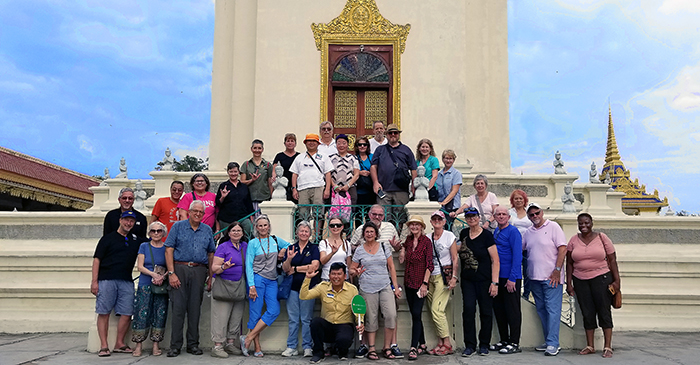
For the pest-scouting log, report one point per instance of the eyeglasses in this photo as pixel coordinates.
(335, 225)
(326, 129)
(377, 214)
(436, 218)
(392, 133)
(472, 216)
(200, 182)
(362, 145)
(127, 198)
(196, 211)
(530, 215)
(156, 231)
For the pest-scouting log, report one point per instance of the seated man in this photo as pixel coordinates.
(336, 321)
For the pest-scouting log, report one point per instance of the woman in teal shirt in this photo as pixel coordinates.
(425, 156)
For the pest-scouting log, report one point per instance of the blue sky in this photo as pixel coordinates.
(83, 83)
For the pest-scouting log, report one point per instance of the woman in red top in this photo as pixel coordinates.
(591, 266)
(418, 251)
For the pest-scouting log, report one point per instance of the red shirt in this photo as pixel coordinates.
(417, 261)
(165, 212)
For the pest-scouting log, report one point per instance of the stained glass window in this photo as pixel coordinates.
(361, 67)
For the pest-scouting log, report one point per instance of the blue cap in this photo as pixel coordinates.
(128, 214)
(342, 136)
(471, 211)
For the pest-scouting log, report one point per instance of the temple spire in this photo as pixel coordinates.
(612, 154)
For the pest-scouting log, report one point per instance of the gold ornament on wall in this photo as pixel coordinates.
(361, 23)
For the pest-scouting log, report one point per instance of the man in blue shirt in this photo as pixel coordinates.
(189, 250)
(506, 305)
(393, 168)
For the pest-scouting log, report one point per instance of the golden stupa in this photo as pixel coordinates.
(636, 200)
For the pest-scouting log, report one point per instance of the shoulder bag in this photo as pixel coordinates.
(616, 294)
(364, 182)
(165, 286)
(229, 290)
(492, 225)
(402, 178)
(445, 271)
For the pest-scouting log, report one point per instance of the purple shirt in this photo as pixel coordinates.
(542, 245)
(227, 252)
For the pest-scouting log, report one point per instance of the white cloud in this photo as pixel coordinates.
(86, 143)
(675, 6)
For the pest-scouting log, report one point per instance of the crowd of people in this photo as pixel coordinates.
(501, 255)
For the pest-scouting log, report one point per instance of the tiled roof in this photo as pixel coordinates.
(35, 169)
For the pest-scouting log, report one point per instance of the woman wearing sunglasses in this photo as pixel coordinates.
(334, 249)
(150, 310)
(365, 194)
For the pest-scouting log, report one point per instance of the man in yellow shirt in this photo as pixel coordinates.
(336, 321)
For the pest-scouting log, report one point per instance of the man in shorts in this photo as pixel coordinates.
(112, 281)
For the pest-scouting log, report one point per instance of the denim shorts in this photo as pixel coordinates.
(117, 295)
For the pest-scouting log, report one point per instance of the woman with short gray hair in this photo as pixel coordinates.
(483, 200)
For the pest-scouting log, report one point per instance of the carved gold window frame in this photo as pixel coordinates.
(361, 23)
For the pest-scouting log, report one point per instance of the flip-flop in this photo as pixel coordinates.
(123, 350)
(243, 348)
(157, 353)
(258, 354)
(587, 350)
(104, 352)
(607, 352)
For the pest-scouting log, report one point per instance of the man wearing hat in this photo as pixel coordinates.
(311, 175)
(112, 265)
(391, 164)
(546, 249)
(126, 203)
(346, 169)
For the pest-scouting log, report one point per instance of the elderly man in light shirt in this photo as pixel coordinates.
(545, 244)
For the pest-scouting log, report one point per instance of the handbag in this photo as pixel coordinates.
(284, 286)
(433, 194)
(364, 182)
(165, 286)
(493, 224)
(229, 290)
(402, 178)
(616, 294)
(338, 199)
(445, 271)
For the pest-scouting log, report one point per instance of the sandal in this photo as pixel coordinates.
(388, 354)
(372, 355)
(258, 354)
(104, 352)
(607, 352)
(447, 350)
(437, 350)
(587, 350)
(157, 352)
(123, 350)
(422, 349)
(413, 354)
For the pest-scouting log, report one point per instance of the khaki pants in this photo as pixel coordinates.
(226, 320)
(383, 300)
(311, 196)
(438, 298)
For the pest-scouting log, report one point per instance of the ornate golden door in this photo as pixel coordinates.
(360, 88)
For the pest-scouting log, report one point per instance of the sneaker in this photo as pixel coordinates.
(510, 349)
(396, 351)
(483, 350)
(498, 346)
(316, 359)
(361, 352)
(552, 351)
(218, 351)
(541, 348)
(232, 349)
(308, 352)
(342, 358)
(290, 352)
(468, 352)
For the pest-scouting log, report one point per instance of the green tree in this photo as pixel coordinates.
(188, 163)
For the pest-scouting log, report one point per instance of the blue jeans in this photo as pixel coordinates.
(299, 310)
(267, 293)
(548, 305)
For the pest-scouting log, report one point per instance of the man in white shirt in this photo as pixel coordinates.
(378, 139)
(327, 145)
(311, 175)
(387, 231)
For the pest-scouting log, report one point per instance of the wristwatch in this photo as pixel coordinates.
(494, 283)
(294, 187)
(558, 268)
(425, 283)
(171, 272)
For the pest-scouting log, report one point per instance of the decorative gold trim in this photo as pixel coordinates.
(361, 23)
(47, 187)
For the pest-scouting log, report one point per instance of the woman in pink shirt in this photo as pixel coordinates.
(591, 266)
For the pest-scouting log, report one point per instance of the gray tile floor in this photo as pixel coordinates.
(630, 348)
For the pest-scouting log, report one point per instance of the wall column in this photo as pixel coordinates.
(221, 85)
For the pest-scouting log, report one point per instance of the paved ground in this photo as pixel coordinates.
(630, 348)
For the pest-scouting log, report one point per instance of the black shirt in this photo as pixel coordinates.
(286, 162)
(111, 223)
(117, 256)
(237, 203)
(474, 255)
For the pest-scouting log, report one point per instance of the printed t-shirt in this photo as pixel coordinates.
(210, 209)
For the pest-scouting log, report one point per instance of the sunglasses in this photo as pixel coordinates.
(326, 129)
(534, 214)
(156, 231)
(362, 145)
(392, 133)
(335, 225)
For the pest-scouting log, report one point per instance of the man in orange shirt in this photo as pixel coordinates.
(165, 210)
